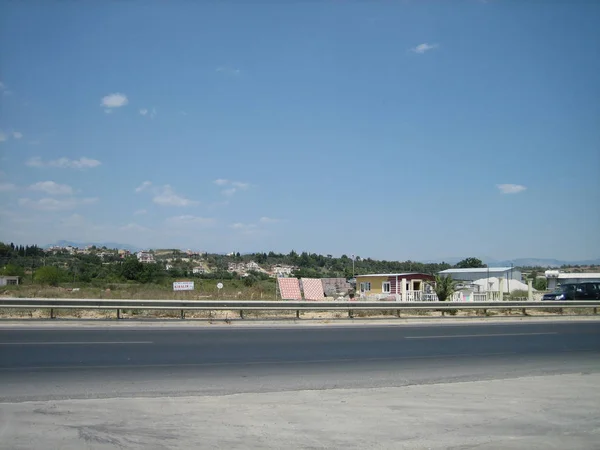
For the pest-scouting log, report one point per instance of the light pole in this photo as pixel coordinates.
(353, 272)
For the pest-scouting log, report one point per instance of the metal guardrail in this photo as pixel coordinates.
(283, 305)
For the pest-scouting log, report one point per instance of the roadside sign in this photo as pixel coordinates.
(219, 286)
(183, 286)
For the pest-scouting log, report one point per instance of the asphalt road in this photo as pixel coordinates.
(487, 386)
(61, 363)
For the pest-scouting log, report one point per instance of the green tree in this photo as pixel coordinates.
(49, 275)
(540, 284)
(444, 287)
(469, 263)
(131, 268)
(13, 270)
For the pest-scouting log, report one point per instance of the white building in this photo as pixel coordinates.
(145, 257)
(252, 266)
(198, 270)
(556, 278)
(472, 274)
(7, 280)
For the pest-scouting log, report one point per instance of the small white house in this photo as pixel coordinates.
(8, 280)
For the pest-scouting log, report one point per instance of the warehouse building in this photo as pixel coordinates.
(473, 274)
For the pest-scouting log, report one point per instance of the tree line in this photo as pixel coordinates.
(62, 267)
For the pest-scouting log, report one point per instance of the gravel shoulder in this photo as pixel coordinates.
(546, 412)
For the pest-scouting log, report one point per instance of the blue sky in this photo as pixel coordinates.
(398, 130)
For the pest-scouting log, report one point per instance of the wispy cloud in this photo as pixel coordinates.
(4, 89)
(166, 196)
(189, 220)
(64, 163)
(52, 188)
(169, 198)
(53, 204)
(243, 226)
(422, 48)
(510, 188)
(17, 135)
(140, 212)
(115, 100)
(149, 113)
(3, 136)
(142, 187)
(133, 227)
(232, 186)
(226, 70)
(269, 220)
(74, 220)
(7, 187)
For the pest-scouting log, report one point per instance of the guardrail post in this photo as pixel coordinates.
(297, 314)
(182, 314)
(398, 313)
(241, 313)
(524, 312)
(350, 314)
(52, 313)
(118, 313)
(595, 310)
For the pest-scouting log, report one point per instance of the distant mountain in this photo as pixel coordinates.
(524, 262)
(110, 245)
(547, 262)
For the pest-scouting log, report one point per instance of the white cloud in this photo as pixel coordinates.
(64, 163)
(2, 136)
(17, 134)
(235, 186)
(269, 220)
(139, 212)
(188, 220)
(133, 227)
(4, 89)
(240, 185)
(228, 70)
(511, 188)
(115, 100)
(243, 226)
(149, 113)
(7, 187)
(74, 220)
(52, 188)
(422, 48)
(166, 196)
(52, 204)
(142, 187)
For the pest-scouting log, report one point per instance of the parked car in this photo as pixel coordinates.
(588, 290)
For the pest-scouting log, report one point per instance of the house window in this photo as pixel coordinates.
(365, 287)
(386, 287)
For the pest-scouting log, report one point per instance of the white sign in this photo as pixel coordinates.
(219, 285)
(183, 286)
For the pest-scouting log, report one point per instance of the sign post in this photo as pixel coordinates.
(183, 285)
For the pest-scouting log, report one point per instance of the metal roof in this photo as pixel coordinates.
(478, 270)
(393, 274)
(566, 275)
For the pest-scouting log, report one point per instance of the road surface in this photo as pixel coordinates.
(313, 376)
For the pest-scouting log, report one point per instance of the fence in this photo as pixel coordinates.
(228, 305)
